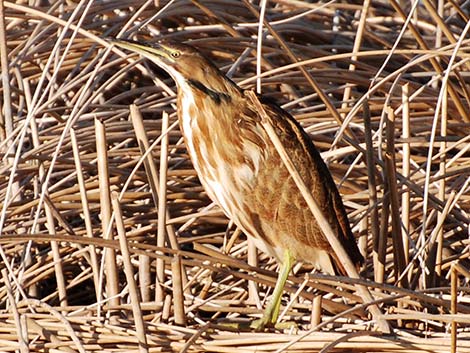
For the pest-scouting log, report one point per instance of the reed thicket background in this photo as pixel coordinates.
(108, 241)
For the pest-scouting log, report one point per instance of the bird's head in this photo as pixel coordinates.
(183, 62)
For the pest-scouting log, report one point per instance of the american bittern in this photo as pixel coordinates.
(243, 173)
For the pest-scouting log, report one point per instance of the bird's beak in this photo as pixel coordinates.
(153, 52)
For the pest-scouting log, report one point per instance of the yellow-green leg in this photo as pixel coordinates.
(271, 313)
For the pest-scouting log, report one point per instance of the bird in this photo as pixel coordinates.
(241, 170)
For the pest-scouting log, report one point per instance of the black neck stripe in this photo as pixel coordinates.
(217, 97)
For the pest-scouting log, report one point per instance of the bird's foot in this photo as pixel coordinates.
(245, 324)
(257, 325)
(263, 323)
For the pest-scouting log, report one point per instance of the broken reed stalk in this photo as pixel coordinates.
(129, 272)
(378, 249)
(453, 308)
(111, 276)
(59, 273)
(145, 279)
(391, 179)
(406, 156)
(320, 218)
(178, 294)
(86, 212)
(6, 118)
(162, 209)
(442, 183)
(315, 318)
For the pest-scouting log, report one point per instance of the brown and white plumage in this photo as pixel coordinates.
(240, 168)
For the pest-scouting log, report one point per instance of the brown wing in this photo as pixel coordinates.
(318, 178)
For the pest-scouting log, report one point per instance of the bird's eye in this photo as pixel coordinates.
(175, 54)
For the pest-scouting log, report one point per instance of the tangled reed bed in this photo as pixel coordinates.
(90, 148)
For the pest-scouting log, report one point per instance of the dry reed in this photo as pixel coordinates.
(107, 239)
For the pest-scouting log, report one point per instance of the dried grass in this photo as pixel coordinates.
(95, 258)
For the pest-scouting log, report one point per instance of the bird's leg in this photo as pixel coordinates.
(271, 313)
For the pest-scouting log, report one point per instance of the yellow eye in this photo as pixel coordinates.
(175, 54)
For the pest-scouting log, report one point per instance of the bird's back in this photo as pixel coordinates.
(286, 213)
